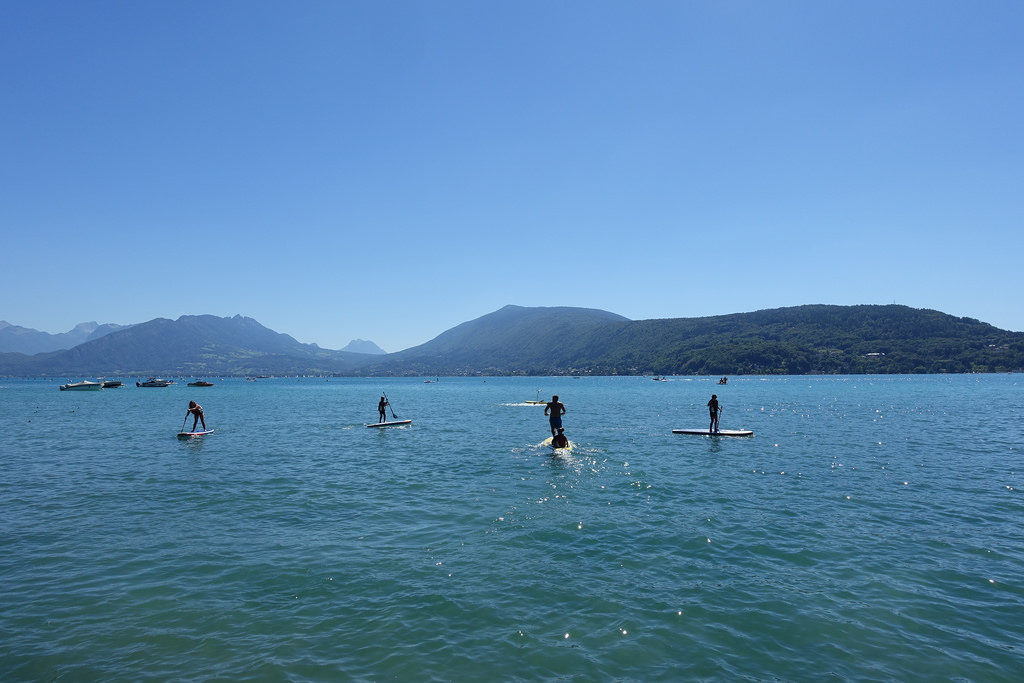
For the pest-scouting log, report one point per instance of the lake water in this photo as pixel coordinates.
(872, 528)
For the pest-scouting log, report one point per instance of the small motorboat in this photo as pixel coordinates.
(155, 382)
(84, 385)
(112, 384)
(200, 383)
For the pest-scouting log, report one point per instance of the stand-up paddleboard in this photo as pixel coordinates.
(720, 432)
(189, 435)
(549, 443)
(395, 423)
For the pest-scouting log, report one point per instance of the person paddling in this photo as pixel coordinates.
(196, 411)
(715, 411)
(557, 410)
(560, 440)
(381, 409)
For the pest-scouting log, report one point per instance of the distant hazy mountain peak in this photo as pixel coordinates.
(29, 341)
(363, 346)
(87, 328)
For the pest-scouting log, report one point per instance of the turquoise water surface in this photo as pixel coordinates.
(870, 529)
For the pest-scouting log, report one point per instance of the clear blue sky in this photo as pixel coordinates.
(388, 170)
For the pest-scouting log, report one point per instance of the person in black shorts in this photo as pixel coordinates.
(715, 410)
(196, 411)
(555, 410)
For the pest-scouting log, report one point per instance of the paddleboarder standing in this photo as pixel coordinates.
(715, 410)
(196, 411)
(381, 409)
(557, 410)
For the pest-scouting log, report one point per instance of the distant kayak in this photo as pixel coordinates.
(395, 423)
(720, 432)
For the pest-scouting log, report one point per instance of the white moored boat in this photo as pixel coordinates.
(155, 382)
(81, 386)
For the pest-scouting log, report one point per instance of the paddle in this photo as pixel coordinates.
(183, 422)
(389, 404)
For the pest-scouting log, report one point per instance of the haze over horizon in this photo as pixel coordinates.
(343, 171)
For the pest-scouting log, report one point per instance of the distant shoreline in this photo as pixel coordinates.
(179, 376)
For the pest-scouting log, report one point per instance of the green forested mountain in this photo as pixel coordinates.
(564, 340)
(508, 340)
(813, 339)
(797, 340)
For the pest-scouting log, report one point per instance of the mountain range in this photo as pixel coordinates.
(191, 345)
(562, 340)
(26, 340)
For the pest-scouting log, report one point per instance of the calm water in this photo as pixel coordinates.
(871, 529)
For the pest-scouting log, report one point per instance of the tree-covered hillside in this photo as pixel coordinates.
(798, 340)
(812, 339)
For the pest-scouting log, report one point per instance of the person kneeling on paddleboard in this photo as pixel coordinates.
(560, 440)
(557, 411)
(715, 410)
(197, 414)
(380, 409)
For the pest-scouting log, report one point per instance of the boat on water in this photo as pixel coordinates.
(200, 383)
(155, 382)
(659, 379)
(84, 385)
(724, 380)
(112, 384)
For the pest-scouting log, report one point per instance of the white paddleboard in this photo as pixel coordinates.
(189, 435)
(720, 432)
(396, 423)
